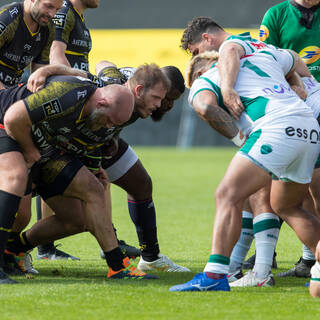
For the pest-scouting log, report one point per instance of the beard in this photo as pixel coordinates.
(92, 122)
(36, 15)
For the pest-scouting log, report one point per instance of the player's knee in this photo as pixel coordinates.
(143, 188)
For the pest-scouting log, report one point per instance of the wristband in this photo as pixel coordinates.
(239, 139)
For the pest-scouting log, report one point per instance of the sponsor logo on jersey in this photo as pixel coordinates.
(309, 84)
(13, 12)
(3, 27)
(279, 89)
(7, 79)
(81, 66)
(27, 47)
(64, 130)
(59, 20)
(52, 108)
(258, 45)
(39, 138)
(80, 43)
(81, 94)
(303, 134)
(86, 33)
(310, 54)
(263, 33)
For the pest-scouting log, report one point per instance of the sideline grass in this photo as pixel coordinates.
(184, 184)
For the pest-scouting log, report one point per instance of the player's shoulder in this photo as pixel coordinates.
(66, 7)
(278, 10)
(10, 12)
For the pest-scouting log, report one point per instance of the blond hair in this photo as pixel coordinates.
(198, 62)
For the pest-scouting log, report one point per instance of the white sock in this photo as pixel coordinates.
(266, 227)
(242, 247)
(307, 253)
(217, 263)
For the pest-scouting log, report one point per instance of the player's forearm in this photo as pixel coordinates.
(229, 64)
(220, 121)
(58, 57)
(61, 69)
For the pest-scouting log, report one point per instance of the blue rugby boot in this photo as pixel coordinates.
(201, 282)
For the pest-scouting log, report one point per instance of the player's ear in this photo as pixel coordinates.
(139, 89)
(207, 37)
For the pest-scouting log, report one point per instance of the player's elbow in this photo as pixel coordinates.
(9, 119)
(203, 111)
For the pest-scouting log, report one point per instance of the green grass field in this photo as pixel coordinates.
(184, 184)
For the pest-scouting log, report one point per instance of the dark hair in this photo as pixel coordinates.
(195, 28)
(149, 75)
(175, 76)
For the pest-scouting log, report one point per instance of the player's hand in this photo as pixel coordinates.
(233, 102)
(110, 149)
(302, 93)
(37, 80)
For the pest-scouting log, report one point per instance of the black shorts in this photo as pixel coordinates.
(54, 176)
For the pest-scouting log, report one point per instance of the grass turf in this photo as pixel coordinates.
(184, 184)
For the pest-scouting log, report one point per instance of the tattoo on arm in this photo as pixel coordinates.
(219, 120)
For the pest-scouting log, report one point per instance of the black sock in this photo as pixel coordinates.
(18, 243)
(9, 204)
(143, 215)
(114, 259)
(149, 246)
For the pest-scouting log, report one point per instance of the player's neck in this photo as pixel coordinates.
(32, 25)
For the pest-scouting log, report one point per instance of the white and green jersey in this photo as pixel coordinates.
(249, 44)
(312, 87)
(262, 87)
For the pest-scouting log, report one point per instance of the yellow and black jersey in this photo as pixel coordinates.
(71, 29)
(18, 45)
(56, 114)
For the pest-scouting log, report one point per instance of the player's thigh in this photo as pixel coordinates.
(243, 177)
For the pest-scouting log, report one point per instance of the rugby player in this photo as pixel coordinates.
(75, 110)
(126, 170)
(262, 154)
(26, 35)
(301, 27)
(205, 34)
